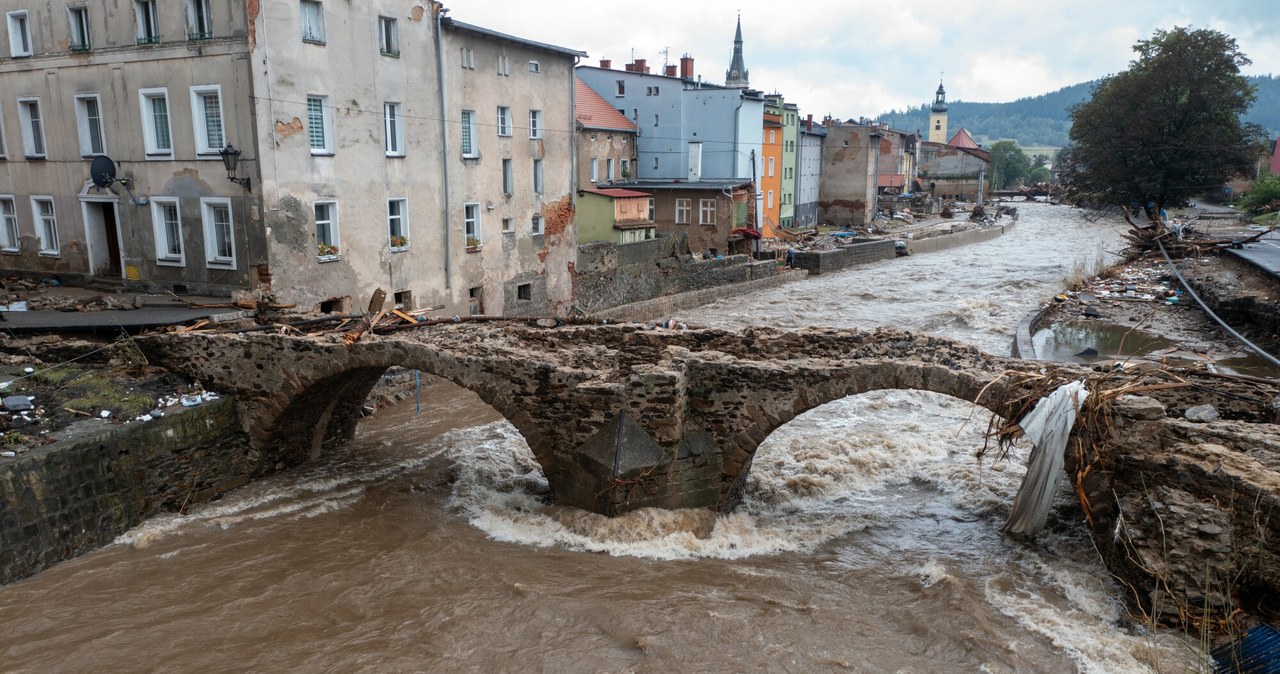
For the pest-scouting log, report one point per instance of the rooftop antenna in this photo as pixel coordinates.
(102, 171)
(666, 57)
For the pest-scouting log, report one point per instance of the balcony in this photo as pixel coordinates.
(148, 40)
(193, 37)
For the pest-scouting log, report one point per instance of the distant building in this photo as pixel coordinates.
(938, 116)
(788, 115)
(606, 139)
(861, 160)
(808, 172)
(1275, 158)
(958, 169)
(615, 215)
(736, 77)
(771, 179)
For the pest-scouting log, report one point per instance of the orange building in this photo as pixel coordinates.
(771, 180)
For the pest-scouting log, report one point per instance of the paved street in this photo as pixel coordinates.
(1263, 253)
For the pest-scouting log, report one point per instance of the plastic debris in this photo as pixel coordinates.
(1047, 426)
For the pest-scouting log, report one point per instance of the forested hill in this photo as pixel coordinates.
(1043, 121)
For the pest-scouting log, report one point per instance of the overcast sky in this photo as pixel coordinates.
(851, 58)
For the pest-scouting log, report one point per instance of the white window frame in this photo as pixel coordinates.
(595, 170)
(508, 177)
(150, 136)
(200, 121)
(311, 21)
(388, 36)
(504, 65)
(87, 125)
(470, 141)
(34, 145)
(535, 124)
(706, 211)
(10, 236)
(770, 167)
(535, 225)
(147, 17)
(508, 225)
(393, 127)
(163, 235)
(620, 90)
(535, 67)
(468, 56)
(769, 202)
(684, 211)
(80, 36)
(46, 225)
(4, 145)
(471, 228)
(326, 125)
(538, 183)
(198, 13)
(332, 229)
(608, 169)
(213, 257)
(398, 220)
(504, 120)
(19, 24)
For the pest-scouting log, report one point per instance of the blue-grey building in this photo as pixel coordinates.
(808, 172)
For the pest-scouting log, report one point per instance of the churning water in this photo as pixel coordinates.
(868, 541)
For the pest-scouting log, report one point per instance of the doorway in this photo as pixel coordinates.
(102, 234)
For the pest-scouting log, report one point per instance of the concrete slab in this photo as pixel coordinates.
(1263, 253)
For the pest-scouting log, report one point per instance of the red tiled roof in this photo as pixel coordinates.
(963, 139)
(593, 112)
(617, 193)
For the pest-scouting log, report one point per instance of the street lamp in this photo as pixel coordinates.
(230, 160)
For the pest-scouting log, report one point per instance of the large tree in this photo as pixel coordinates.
(1166, 129)
(1009, 164)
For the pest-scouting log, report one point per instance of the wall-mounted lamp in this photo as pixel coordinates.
(230, 160)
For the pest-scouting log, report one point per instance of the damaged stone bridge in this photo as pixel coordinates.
(628, 416)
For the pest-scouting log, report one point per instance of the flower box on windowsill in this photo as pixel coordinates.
(473, 244)
(148, 40)
(79, 48)
(327, 252)
(399, 243)
(393, 53)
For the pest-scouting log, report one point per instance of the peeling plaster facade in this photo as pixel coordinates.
(338, 118)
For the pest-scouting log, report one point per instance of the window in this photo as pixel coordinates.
(471, 224)
(508, 225)
(770, 167)
(535, 67)
(468, 58)
(219, 233)
(326, 213)
(393, 120)
(206, 118)
(655, 163)
(595, 170)
(684, 208)
(9, 239)
(653, 209)
(46, 225)
(504, 65)
(655, 119)
(320, 124)
(19, 34)
(535, 123)
(398, 223)
(155, 123)
(199, 21)
(773, 138)
(608, 169)
(504, 121)
(475, 297)
(769, 203)
(4, 153)
(167, 226)
(469, 149)
(622, 88)
(79, 17)
(144, 12)
(32, 127)
(312, 21)
(388, 37)
(535, 225)
(706, 211)
(508, 178)
(524, 292)
(626, 169)
(89, 122)
(537, 177)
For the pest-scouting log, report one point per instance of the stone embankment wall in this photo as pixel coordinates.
(608, 275)
(933, 244)
(79, 494)
(827, 261)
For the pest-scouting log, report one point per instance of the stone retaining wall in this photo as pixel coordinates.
(667, 305)
(944, 241)
(73, 496)
(861, 252)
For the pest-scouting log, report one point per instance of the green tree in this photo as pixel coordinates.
(1166, 129)
(1009, 165)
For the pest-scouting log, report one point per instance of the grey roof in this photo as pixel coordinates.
(708, 184)
(493, 34)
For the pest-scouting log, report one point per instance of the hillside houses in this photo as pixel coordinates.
(318, 151)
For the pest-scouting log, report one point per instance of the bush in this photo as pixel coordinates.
(1265, 191)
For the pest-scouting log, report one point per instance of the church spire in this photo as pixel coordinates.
(736, 75)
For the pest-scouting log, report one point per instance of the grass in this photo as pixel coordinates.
(87, 391)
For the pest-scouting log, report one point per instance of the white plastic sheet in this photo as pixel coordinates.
(1047, 427)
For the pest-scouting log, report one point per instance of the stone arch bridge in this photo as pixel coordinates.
(628, 416)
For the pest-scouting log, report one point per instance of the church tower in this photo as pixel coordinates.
(938, 116)
(736, 75)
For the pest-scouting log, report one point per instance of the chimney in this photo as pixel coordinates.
(686, 67)
(809, 123)
(641, 66)
(630, 67)
(606, 64)
(671, 71)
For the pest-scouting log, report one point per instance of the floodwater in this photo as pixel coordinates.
(868, 541)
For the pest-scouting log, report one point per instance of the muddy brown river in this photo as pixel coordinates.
(868, 541)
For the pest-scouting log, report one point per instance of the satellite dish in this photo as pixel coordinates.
(102, 171)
